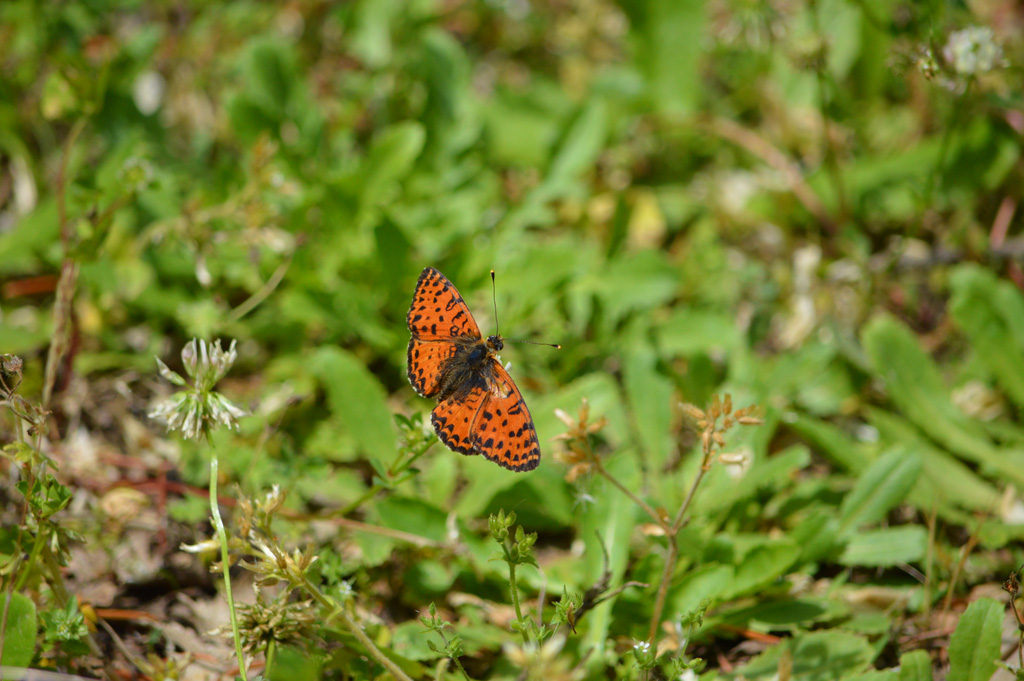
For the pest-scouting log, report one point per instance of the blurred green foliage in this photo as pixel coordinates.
(809, 205)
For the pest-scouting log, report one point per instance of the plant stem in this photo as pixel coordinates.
(354, 628)
(625, 490)
(666, 578)
(259, 296)
(673, 545)
(831, 160)
(371, 648)
(270, 657)
(396, 469)
(705, 464)
(222, 538)
(462, 669)
(514, 590)
(940, 163)
(367, 495)
(455, 659)
(68, 271)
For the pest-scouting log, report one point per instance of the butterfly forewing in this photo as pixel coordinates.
(427, 359)
(438, 312)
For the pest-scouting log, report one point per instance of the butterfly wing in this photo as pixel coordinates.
(436, 317)
(427, 360)
(453, 418)
(438, 312)
(490, 418)
(503, 429)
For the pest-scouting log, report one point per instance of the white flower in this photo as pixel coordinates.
(194, 410)
(973, 50)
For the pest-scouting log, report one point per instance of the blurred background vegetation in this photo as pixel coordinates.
(809, 205)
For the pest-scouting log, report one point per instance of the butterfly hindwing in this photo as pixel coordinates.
(503, 430)
(453, 419)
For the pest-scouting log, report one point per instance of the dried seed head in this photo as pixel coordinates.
(693, 412)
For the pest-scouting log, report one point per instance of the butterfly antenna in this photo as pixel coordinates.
(516, 340)
(494, 299)
(512, 340)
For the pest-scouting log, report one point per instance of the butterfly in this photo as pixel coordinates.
(479, 408)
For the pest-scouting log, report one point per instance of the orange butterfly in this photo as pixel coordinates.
(479, 408)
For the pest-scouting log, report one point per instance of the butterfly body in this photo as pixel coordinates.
(480, 410)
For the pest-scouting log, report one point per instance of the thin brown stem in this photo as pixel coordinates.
(1020, 631)
(666, 578)
(955, 577)
(637, 500)
(336, 610)
(673, 547)
(790, 171)
(705, 464)
(258, 297)
(929, 572)
(68, 271)
(355, 630)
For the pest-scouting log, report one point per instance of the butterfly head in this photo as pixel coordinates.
(494, 343)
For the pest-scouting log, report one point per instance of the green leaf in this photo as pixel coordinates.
(634, 282)
(667, 38)
(770, 472)
(945, 479)
(817, 656)
(761, 566)
(816, 535)
(974, 646)
(612, 522)
(356, 397)
(778, 614)
(915, 666)
(886, 547)
(579, 147)
(28, 240)
(650, 398)
(879, 489)
(574, 154)
(875, 675)
(690, 331)
(413, 516)
(991, 313)
(291, 662)
(831, 442)
(914, 384)
(390, 159)
(370, 38)
(710, 580)
(20, 635)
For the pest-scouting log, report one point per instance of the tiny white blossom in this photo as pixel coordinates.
(973, 50)
(345, 590)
